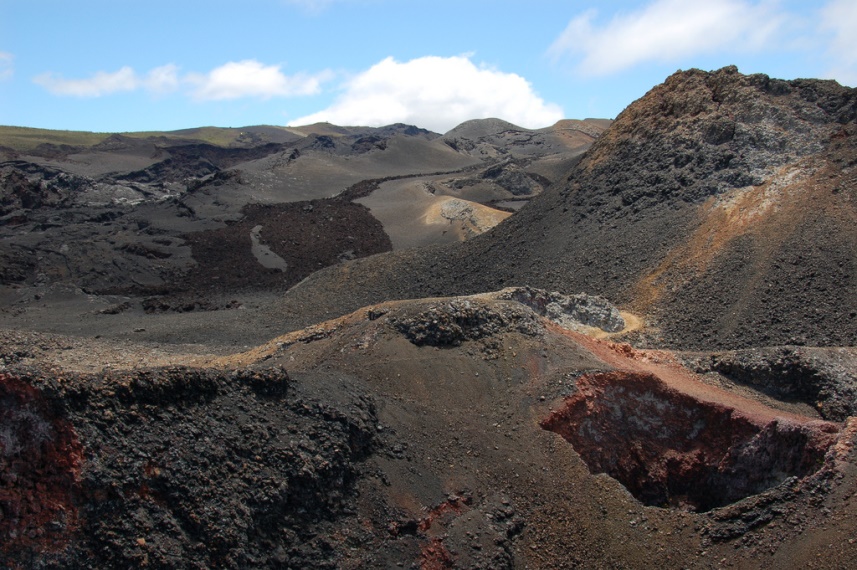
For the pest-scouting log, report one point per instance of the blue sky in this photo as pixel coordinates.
(123, 65)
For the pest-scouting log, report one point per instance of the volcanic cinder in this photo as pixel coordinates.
(602, 344)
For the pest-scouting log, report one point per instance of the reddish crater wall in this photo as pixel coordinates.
(40, 459)
(671, 449)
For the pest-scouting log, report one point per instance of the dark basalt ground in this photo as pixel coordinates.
(411, 434)
(183, 468)
(308, 236)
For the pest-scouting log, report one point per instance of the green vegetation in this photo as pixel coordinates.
(218, 136)
(23, 139)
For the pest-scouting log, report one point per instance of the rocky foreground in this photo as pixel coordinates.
(467, 432)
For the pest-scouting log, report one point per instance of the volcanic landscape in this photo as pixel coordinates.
(601, 344)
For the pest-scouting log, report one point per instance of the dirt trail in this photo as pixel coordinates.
(664, 365)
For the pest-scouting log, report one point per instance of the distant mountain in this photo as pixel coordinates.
(150, 212)
(478, 128)
(37, 142)
(491, 138)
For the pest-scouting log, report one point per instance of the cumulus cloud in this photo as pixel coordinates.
(666, 31)
(311, 6)
(102, 83)
(249, 78)
(839, 19)
(436, 93)
(162, 79)
(6, 66)
(233, 80)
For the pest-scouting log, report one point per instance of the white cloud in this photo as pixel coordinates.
(435, 93)
(102, 83)
(311, 6)
(162, 79)
(317, 7)
(7, 68)
(232, 80)
(249, 78)
(839, 17)
(667, 31)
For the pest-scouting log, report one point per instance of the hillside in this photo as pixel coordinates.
(149, 214)
(721, 206)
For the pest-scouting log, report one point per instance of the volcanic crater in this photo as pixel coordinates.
(670, 449)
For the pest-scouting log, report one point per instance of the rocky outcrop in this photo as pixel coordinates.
(506, 176)
(27, 186)
(570, 311)
(173, 169)
(823, 378)
(510, 177)
(176, 467)
(452, 322)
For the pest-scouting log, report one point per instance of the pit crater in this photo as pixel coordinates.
(670, 449)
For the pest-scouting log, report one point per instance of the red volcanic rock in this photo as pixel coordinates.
(40, 458)
(454, 505)
(435, 556)
(669, 448)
